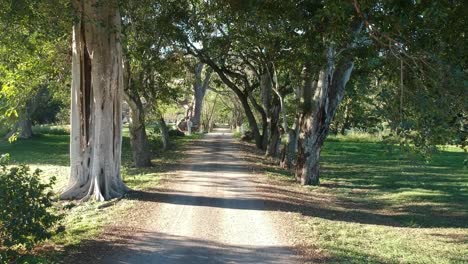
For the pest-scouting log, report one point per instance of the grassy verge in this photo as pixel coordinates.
(49, 152)
(376, 204)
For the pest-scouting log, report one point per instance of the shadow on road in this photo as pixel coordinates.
(152, 247)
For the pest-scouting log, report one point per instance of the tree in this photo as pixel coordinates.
(32, 54)
(199, 90)
(96, 115)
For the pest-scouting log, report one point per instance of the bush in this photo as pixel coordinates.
(176, 133)
(25, 216)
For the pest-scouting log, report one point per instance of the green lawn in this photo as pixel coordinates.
(377, 204)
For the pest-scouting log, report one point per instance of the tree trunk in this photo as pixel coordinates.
(263, 138)
(141, 151)
(164, 133)
(23, 128)
(252, 122)
(266, 88)
(199, 88)
(96, 94)
(318, 113)
(293, 137)
(289, 151)
(345, 119)
(274, 140)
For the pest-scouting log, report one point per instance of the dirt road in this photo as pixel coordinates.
(211, 213)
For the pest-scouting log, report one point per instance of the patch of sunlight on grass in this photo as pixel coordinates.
(61, 173)
(85, 221)
(416, 194)
(142, 180)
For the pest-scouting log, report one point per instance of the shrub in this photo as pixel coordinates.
(176, 133)
(25, 215)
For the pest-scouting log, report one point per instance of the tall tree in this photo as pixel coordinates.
(96, 115)
(199, 90)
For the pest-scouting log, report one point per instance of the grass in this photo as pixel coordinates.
(386, 206)
(49, 152)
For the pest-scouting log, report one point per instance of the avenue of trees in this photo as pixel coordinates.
(291, 71)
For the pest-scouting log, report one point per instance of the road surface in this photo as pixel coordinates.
(211, 213)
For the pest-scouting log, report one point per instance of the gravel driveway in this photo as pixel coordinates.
(210, 213)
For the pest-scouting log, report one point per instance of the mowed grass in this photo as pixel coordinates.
(49, 152)
(377, 204)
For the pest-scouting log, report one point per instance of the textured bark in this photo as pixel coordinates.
(96, 94)
(318, 113)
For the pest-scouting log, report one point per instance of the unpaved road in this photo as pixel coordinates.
(212, 213)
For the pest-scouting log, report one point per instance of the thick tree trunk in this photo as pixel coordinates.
(318, 114)
(164, 133)
(96, 94)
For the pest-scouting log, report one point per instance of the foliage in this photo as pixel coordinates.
(25, 216)
(34, 58)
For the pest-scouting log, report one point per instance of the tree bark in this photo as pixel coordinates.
(318, 113)
(164, 133)
(96, 94)
(263, 138)
(274, 140)
(23, 128)
(141, 151)
(199, 87)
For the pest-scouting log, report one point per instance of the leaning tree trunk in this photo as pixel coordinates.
(96, 94)
(23, 128)
(318, 114)
(252, 122)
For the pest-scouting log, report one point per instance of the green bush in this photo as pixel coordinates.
(25, 215)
